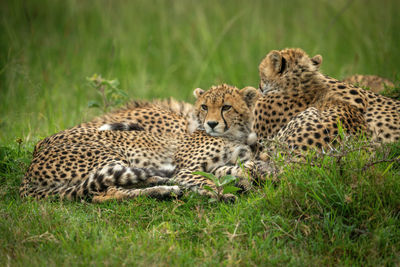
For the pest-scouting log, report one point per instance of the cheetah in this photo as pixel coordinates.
(213, 108)
(301, 106)
(102, 164)
(161, 117)
(375, 83)
(166, 117)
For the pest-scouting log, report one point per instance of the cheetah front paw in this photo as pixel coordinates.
(166, 191)
(229, 198)
(259, 169)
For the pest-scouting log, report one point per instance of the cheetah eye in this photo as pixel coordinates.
(226, 107)
(204, 107)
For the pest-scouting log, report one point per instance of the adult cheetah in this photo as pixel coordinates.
(302, 107)
(101, 164)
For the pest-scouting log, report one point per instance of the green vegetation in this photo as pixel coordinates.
(223, 185)
(110, 95)
(343, 209)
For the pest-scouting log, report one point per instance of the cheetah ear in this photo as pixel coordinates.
(250, 95)
(277, 61)
(198, 92)
(317, 60)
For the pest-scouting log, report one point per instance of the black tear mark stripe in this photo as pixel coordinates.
(226, 124)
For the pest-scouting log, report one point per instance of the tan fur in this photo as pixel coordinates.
(301, 106)
(85, 162)
(166, 117)
(229, 108)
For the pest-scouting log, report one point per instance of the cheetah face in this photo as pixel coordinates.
(286, 69)
(226, 111)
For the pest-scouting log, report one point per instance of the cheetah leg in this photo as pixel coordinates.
(155, 180)
(116, 193)
(186, 179)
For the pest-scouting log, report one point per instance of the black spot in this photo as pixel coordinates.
(358, 100)
(204, 166)
(353, 92)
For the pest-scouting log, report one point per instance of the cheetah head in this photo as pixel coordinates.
(226, 111)
(287, 69)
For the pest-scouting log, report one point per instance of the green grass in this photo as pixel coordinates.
(332, 214)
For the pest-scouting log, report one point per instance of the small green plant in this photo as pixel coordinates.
(111, 95)
(223, 185)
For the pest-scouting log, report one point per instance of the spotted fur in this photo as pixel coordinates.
(302, 107)
(94, 162)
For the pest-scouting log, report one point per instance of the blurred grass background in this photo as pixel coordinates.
(167, 48)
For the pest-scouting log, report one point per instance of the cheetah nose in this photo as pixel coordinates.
(212, 124)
